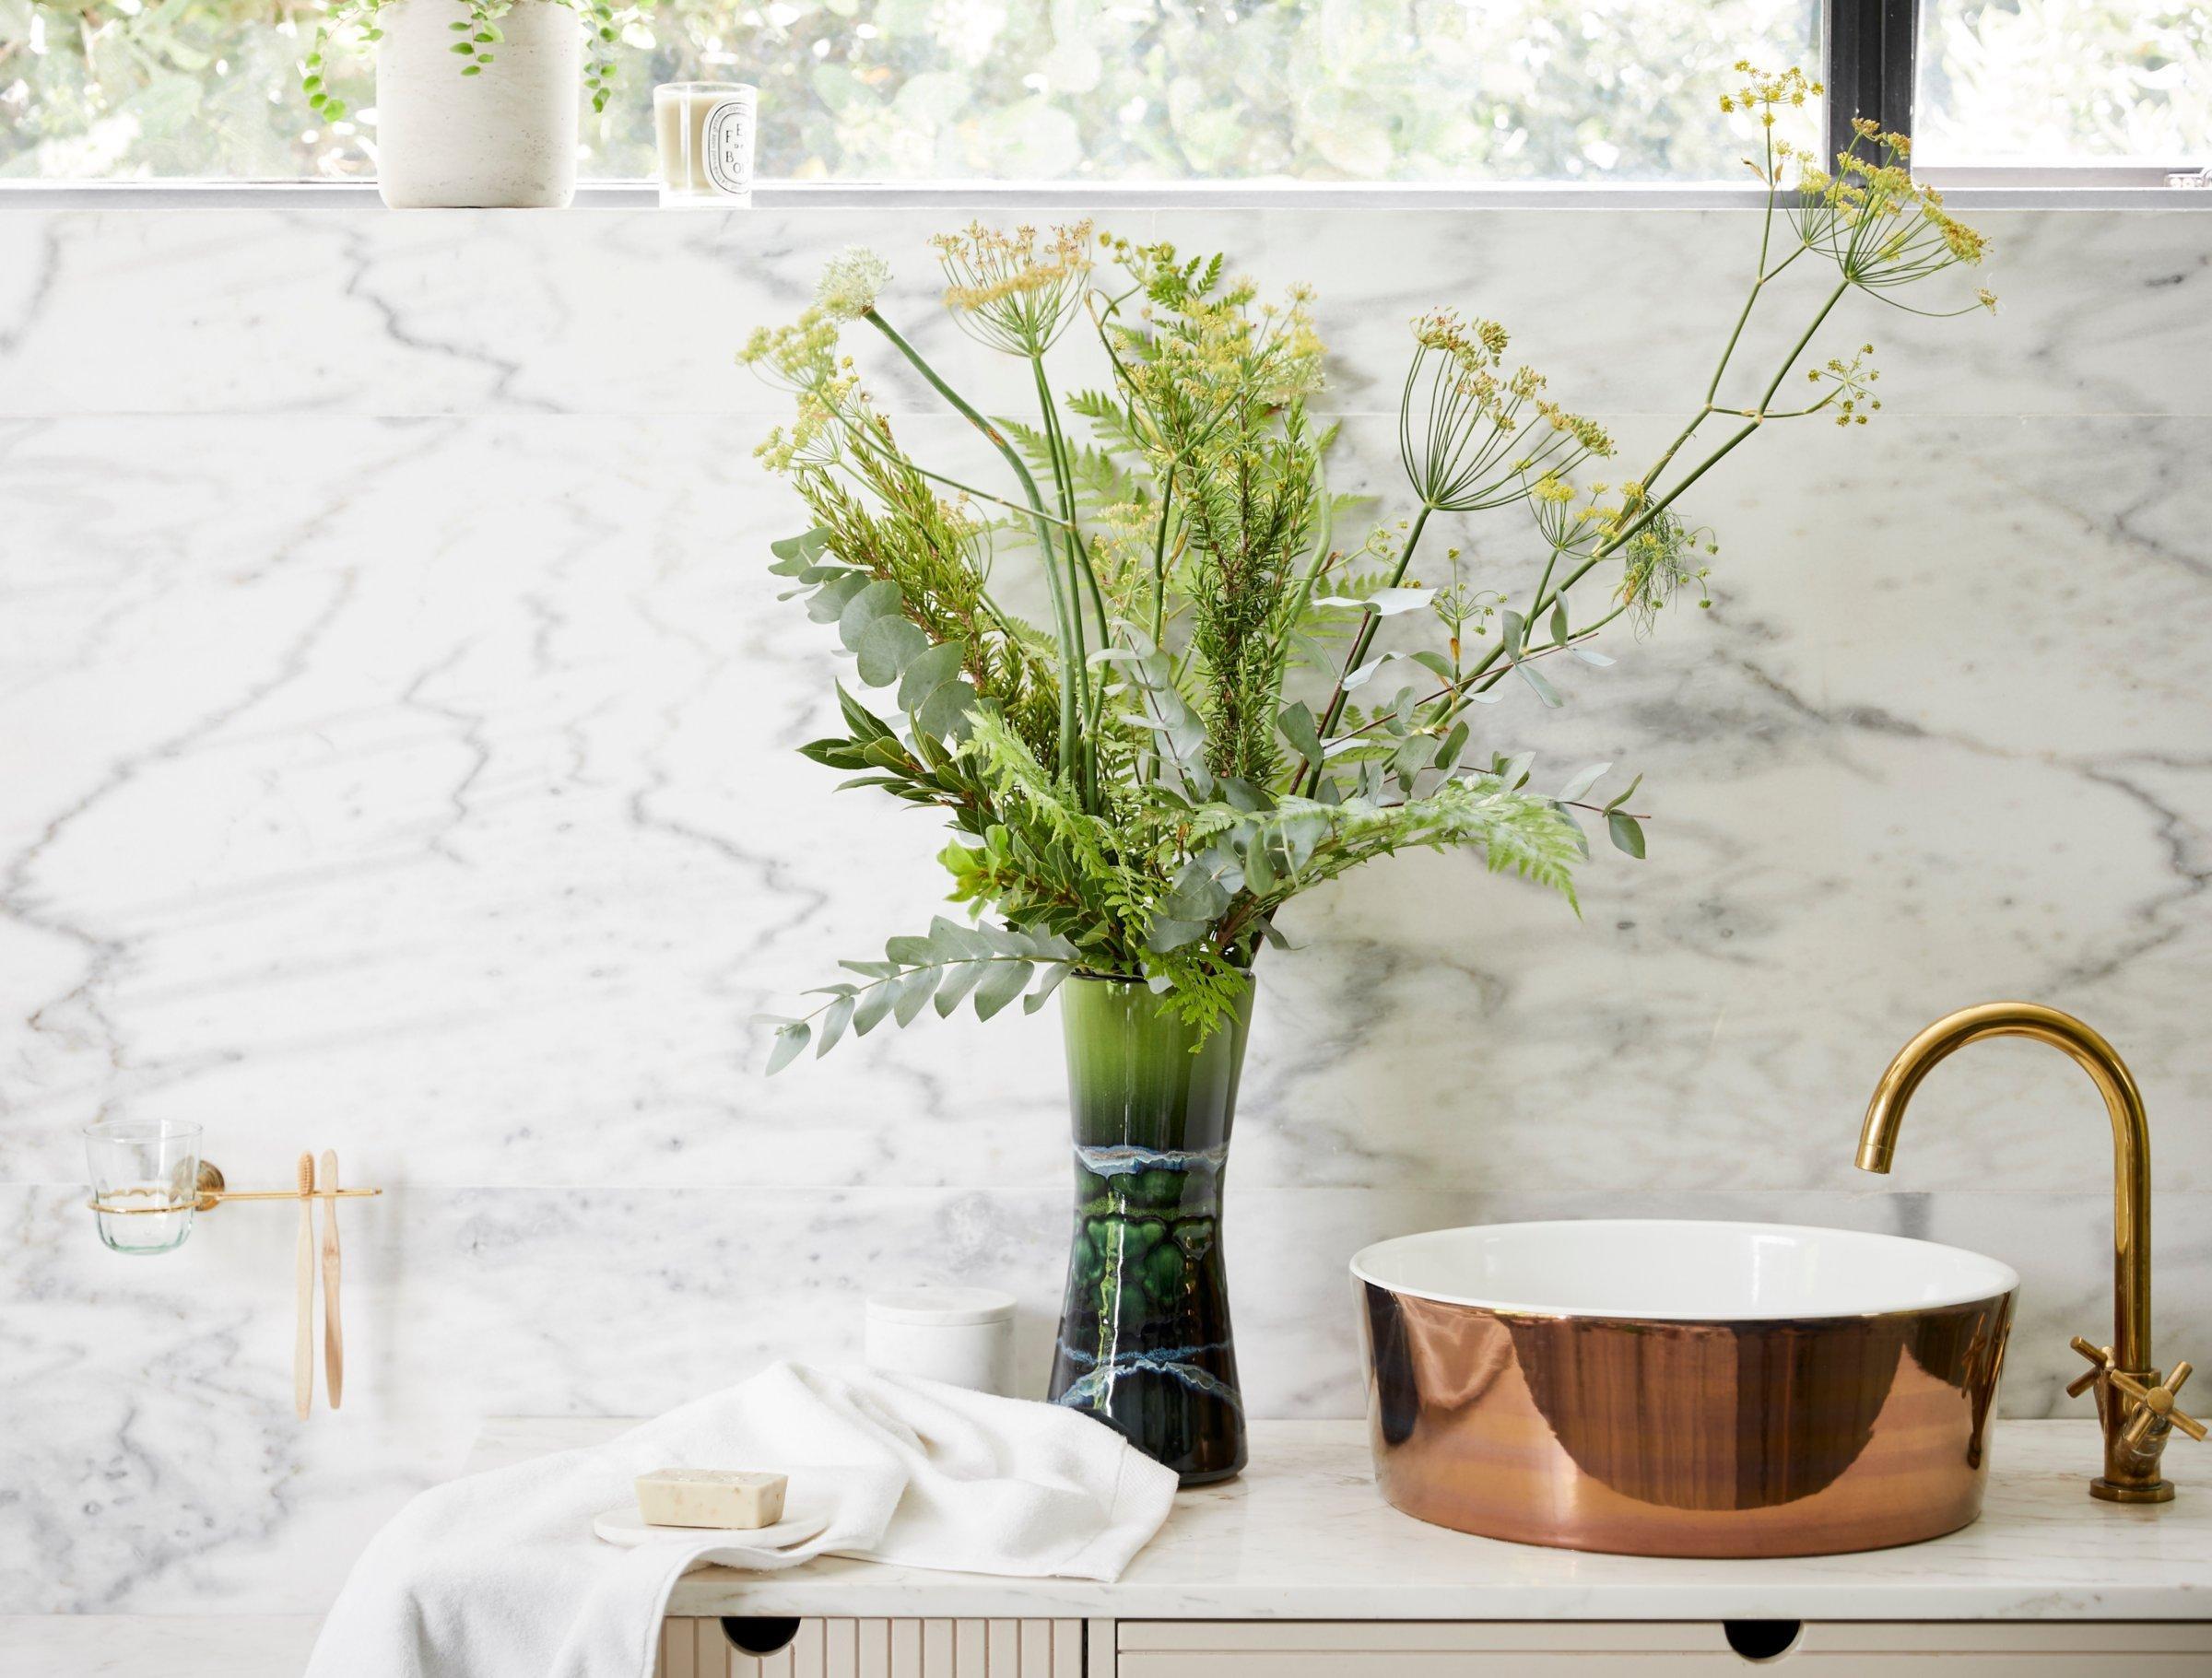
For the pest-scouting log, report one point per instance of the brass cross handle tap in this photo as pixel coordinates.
(2134, 1410)
(2153, 1402)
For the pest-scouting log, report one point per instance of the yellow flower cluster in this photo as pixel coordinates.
(1203, 338)
(824, 408)
(1883, 227)
(1474, 345)
(1763, 90)
(1592, 436)
(1851, 395)
(798, 356)
(1014, 291)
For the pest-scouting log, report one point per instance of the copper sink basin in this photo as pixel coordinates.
(1661, 1387)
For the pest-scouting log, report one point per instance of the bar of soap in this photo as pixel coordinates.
(711, 1497)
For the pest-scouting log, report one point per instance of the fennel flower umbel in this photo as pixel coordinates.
(850, 283)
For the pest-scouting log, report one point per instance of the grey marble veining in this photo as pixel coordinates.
(396, 735)
(622, 312)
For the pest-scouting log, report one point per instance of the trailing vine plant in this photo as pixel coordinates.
(476, 42)
(1211, 717)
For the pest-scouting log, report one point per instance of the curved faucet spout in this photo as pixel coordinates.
(2132, 1401)
(2131, 1138)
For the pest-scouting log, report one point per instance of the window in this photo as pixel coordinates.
(2065, 82)
(1157, 90)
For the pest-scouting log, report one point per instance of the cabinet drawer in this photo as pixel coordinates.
(872, 1649)
(1259, 1648)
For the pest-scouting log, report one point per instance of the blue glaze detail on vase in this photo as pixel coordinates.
(1145, 1343)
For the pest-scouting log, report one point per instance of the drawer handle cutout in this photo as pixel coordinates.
(1758, 1639)
(757, 1635)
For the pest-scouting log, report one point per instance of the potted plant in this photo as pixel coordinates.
(1225, 706)
(475, 99)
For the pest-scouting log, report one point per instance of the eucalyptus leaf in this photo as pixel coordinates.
(1581, 781)
(1545, 690)
(928, 671)
(834, 1021)
(1166, 935)
(1296, 724)
(1626, 832)
(863, 607)
(1366, 672)
(947, 710)
(1389, 603)
(1454, 743)
(873, 1004)
(914, 991)
(828, 603)
(1002, 985)
(958, 981)
(790, 1042)
(887, 646)
(1043, 992)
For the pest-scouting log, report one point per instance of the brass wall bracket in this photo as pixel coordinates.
(211, 1194)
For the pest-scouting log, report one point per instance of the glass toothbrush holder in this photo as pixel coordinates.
(146, 1181)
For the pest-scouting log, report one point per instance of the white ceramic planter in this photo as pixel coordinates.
(503, 139)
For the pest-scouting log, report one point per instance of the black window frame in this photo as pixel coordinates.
(1870, 65)
(1872, 47)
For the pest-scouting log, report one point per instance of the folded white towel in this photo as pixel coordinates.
(497, 1575)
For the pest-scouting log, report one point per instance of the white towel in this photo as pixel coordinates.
(498, 1575)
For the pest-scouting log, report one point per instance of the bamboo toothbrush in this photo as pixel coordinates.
(334, 1340)
(303, 1348)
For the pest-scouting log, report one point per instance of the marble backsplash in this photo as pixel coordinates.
(396, 756)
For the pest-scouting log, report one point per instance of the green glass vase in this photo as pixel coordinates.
(1144, 1342)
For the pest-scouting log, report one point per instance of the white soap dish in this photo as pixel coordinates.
(803, 1520)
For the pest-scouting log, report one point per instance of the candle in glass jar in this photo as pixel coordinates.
(705, 135)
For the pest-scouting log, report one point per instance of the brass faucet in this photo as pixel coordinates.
(2134, 1402)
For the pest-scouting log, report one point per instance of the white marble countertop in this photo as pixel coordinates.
(1304, 1536)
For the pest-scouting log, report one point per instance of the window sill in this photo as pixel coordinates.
(1963, 188)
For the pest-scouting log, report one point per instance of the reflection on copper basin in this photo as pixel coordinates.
(1683, 1389)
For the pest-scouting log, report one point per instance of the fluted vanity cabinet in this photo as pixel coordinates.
(1169, 1649)
(1299, 1569)
(835, 1646)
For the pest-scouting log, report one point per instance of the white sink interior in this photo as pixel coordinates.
(1680, 1270)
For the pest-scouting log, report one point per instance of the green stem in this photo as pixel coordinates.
(861, 439)
(1367, 629)
(1159, 560)
(1334, 713)
(1797, 349)
(1071, 672)
(1613, 544)
(1063, 473)
(1078, 567)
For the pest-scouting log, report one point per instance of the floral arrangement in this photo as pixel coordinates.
(477, 41)
(1209, 719)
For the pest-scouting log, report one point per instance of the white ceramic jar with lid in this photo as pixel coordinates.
(963, 1336)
